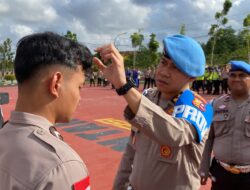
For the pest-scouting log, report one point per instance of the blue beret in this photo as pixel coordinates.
(186, 54)
(240, 66)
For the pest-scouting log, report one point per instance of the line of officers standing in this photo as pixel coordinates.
(214, 81)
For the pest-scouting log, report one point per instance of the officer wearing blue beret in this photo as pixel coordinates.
(240, 66)
(169, 123)
(229, 137)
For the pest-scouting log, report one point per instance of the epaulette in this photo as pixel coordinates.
(224, 98)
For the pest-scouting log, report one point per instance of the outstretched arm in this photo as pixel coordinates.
(115, 73)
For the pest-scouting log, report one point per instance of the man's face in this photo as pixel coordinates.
(169, 79)
(70, 93)
(239, 82)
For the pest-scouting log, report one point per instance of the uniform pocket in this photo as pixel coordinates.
(220, 122)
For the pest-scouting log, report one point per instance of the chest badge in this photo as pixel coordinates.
(165, 151)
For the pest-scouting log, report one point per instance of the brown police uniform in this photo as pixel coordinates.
(229, 138)
(31, 158)
(163, 153)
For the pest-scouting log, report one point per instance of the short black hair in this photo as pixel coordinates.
(36, 51)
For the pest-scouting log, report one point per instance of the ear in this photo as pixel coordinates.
(55, 83)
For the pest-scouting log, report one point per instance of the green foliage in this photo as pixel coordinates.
(229, 46)
(212, 29)
(136, 39)
(6, 62)
(153, 45)
(183, 29)
(144, 59)
(226, 7)
(217, 15)
(224, 21)
(246, 24)
(71, 35)
(221, 22)
(10, 77)
(246, 21)
(146, 55)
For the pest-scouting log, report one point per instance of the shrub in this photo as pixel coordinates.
(10, 77)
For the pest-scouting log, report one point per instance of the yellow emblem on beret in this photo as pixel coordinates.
(165, 151)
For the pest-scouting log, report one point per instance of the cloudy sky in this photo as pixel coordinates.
(97, 22)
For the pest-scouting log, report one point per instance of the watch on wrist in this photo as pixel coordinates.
(126, 87)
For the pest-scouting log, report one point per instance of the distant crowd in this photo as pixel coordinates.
(147, 76)
(214, 81)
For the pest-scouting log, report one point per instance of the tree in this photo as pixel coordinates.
(71, 35)
(246, 24)
(136, 39)
(183, 29)
(153, 44)
(6, 56)
(229, 45)
(221, 21)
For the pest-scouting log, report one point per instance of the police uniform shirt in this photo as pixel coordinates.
(166, 154)
(32, 158)
(229, 136)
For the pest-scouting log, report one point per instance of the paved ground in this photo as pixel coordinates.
(97, 132)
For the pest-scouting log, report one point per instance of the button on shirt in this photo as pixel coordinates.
(32, 158)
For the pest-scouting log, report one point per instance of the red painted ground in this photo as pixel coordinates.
(96, 103)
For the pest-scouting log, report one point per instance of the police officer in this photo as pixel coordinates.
(167, 139)
(50, 73)
(208, 79)
(229, 137)
(216, 81)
